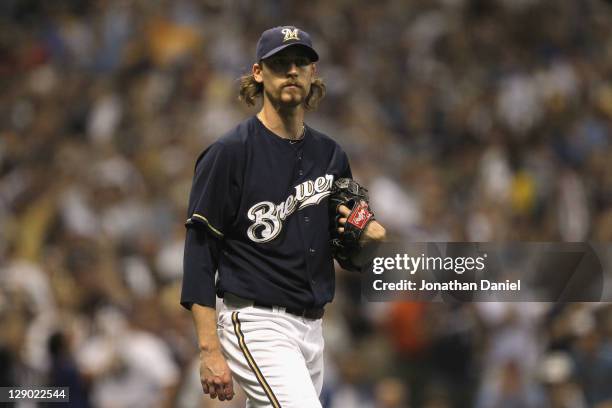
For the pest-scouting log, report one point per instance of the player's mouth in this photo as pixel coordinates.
(292, 86)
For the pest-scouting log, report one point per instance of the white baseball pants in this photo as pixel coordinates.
(276, 357)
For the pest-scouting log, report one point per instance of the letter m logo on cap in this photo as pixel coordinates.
(290, 34)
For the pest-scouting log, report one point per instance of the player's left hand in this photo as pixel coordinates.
(373, 232)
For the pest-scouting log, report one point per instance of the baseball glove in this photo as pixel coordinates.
(348, 192)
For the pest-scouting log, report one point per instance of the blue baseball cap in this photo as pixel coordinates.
(278, 38)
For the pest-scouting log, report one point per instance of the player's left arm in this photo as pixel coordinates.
(370, 238)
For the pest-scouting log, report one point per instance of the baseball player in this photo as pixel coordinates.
(259, 215)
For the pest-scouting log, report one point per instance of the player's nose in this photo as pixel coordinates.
(292, 69)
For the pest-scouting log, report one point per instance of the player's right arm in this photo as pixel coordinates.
(210, 206)
(198, 295)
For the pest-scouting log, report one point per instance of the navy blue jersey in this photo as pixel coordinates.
(262, 201)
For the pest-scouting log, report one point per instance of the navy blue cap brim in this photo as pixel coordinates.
(313, 54)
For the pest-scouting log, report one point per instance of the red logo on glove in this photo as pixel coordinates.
(360, 215)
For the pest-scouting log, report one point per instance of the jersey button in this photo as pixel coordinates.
(312, 251)
(306, 219)
(301, 172)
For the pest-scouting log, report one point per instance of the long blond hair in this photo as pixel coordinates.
(250, 90)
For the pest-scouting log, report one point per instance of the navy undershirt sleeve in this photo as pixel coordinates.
(200, 263)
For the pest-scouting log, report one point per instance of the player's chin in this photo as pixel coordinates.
(291, 100)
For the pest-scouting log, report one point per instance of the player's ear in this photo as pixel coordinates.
(256, 70)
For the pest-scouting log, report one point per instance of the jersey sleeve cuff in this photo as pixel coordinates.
(188, 304)
(200, 219)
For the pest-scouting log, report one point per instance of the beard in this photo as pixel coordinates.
(287, 97)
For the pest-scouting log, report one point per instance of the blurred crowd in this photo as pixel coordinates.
(469, 120)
